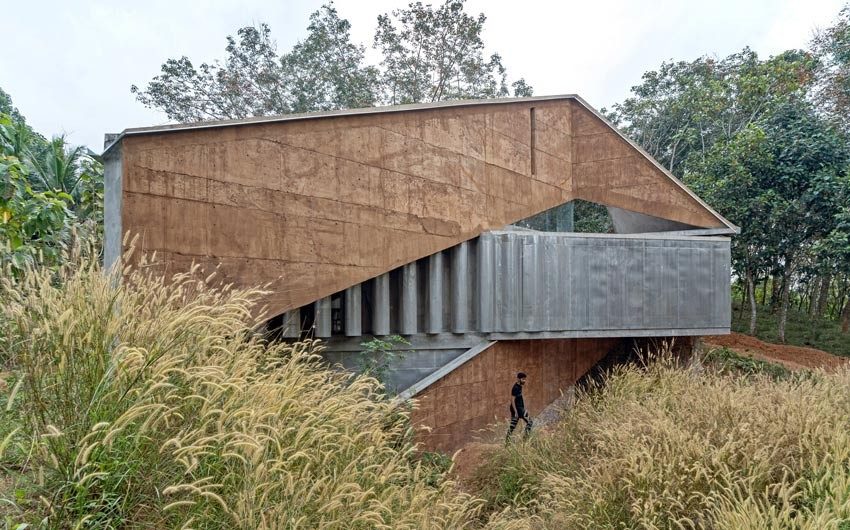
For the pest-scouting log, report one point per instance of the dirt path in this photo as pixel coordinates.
(792, 357)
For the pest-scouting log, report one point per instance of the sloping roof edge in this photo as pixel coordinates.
(732, 229)
(364, 111)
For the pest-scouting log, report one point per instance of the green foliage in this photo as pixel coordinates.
(832, 46)
(378, 356)
(761, 142)
(434, 54)
(802, 330)
(435, 467)
(729, 362)
(323, 72)
(50, 192)
(592, 218)
(33, 224)
(428, 55)
(679, 111)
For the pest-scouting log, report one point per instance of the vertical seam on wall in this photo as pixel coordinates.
(533, 142)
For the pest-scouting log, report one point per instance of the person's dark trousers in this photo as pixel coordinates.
(515, 417)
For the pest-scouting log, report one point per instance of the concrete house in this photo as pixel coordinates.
(449, 224)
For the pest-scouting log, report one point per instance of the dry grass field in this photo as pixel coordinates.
(157, 404)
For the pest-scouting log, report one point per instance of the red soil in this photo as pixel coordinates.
(792, 357)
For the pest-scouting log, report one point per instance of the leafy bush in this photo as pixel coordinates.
(663, 447)
(378, 355)
(153, 404)
(729, 362)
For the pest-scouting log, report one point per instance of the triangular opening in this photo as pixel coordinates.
(574, 216)
(587, 217)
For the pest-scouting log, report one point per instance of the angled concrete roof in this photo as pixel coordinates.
(317, 202)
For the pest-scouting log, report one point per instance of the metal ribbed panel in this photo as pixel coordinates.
(435, 293)
(409, 302)
(531, 282)
(460, 288)
(322, 310)
(291, 325)
(485, 282)
(353, 312)
(381, 305)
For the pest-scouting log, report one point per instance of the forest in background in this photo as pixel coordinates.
(764, 141)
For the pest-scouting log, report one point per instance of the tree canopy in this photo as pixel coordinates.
(428, 54)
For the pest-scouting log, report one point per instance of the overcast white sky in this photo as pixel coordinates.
(68, 65)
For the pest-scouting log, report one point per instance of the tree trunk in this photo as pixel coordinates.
(744, 298)
(776, 291)
(845, 317)
(785, 295)
(753, 307)
(764, 289)
(823, 296)
(813, 301)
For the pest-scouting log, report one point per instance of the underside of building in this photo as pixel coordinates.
(451, 225)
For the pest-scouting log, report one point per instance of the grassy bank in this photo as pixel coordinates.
(801, 330)
(156, 405)
(665, 447)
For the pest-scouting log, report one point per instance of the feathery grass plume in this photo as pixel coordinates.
(659, 446)
(155, 404)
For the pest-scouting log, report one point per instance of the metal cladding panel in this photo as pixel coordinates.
(527, 284)
(554, 282)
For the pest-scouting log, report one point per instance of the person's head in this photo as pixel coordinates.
(520, 377)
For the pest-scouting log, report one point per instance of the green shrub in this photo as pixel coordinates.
(729, 362)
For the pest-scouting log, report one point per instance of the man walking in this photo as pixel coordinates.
(518, 408)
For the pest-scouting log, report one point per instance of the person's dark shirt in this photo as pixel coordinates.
(519, 403)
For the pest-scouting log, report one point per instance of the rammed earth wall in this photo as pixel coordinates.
(477, 394)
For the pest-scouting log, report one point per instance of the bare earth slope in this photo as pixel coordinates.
(792, 357)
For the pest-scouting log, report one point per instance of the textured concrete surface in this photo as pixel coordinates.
(314, 206)
(113, 190)
(477, 394)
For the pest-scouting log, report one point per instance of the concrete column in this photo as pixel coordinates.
(381, 305)
(112, 199)
(322, 308)
(435, 293)
(460, 288)
(408, 299)
(352, 312)
(291, 325)
(485, 278)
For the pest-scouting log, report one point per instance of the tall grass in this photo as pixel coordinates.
(155, 404)
(664, 447)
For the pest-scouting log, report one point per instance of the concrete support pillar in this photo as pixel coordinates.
(291, 325)
(381, 305)
(435, 293)
(485, 278)
(322, 308)
(460, 288)
(353, 318)
(408, 299)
